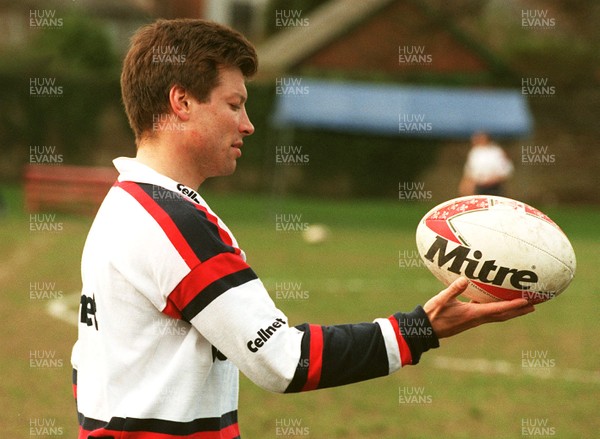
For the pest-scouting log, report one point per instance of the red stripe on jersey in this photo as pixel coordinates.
(171, 309)
(163, 220)
(74, 382)
(405, 354)
(229, 432)
(203, 275)
(315, 362)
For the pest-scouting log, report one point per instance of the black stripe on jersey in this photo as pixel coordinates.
(214, 290)
(351, 353)
(90, 424)
(201, 234)
(160, 425)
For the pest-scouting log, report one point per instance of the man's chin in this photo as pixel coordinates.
(231, 170)
(224, 172)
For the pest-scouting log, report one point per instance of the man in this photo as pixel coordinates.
(169, 308)
(487, 168)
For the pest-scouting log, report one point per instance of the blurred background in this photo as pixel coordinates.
(364, 110)
(545, 52)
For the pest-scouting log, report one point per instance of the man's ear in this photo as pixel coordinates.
(179, 101)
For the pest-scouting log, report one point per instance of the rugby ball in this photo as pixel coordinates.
(505, 248)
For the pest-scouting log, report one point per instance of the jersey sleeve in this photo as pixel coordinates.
(343, 354)
(244, 324)
(223, 298)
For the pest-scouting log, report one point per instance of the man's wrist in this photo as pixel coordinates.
(417, 331)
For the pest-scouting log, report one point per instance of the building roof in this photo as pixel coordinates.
(409, 111)
(283, 50)
(367, 35)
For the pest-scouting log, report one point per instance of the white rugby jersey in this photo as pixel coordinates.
(170, 310)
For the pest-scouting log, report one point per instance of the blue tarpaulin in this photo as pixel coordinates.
(398, 110)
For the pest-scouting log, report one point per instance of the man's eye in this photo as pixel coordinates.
(235, 106)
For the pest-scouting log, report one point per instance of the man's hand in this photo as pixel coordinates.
(450, 316)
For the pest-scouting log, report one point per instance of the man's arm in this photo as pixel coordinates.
(222, 297)
(344, 354)
(281, 358)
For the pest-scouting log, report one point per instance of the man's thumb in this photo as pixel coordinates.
(456, 288)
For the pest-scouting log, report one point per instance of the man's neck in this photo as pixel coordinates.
(162, 156)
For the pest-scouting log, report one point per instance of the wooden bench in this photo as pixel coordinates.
(66, 188)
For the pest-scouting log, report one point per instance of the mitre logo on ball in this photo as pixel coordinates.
(506, 249)
(487, 272)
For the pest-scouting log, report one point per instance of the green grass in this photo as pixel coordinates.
(354, 276)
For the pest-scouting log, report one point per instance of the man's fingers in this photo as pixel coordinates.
(500, 311)
(510, 307)
(439, 301)
(455, 288)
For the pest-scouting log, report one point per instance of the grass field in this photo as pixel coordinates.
(474, 386)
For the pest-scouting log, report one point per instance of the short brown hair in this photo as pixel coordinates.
(185, 52)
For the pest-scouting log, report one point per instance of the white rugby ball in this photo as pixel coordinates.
(506, 248)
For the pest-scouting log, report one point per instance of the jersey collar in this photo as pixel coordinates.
(130, 169)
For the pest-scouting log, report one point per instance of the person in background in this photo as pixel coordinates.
(487, 168)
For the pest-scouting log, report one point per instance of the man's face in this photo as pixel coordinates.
(216, 128)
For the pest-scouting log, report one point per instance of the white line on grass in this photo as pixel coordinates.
(66, 310)
(500, 367)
